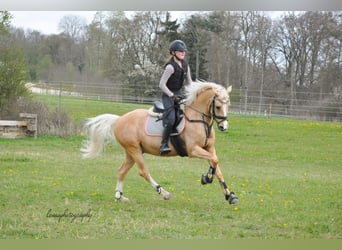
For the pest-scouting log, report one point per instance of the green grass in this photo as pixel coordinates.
(78, 109)
(286, 173)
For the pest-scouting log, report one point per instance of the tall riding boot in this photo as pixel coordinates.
(164, 148)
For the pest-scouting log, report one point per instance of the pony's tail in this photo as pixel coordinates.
(99, 131)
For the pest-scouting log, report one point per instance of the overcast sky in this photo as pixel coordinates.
(46, 22)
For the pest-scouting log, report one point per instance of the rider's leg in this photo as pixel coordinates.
(164, 148)
(168, 121)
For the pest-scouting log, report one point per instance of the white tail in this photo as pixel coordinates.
(99, 131)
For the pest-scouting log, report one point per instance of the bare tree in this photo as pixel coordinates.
(247, 30)
(263, 43)
(73, 26)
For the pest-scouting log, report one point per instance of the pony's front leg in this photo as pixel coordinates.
(230, 196)
(208, 177)
(214, 170)
(211, 156)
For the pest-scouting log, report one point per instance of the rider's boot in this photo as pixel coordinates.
(164, 148)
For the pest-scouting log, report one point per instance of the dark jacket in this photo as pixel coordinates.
(176, 80)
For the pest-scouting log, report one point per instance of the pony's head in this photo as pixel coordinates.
(220, 105)
(217, 100)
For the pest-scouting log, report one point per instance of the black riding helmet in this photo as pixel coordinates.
(177, 45)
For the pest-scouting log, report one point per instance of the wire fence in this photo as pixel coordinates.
(306, 104)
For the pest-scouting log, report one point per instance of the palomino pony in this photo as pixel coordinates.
(205, 103)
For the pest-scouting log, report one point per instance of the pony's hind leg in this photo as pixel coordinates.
(143, 172)
(124, 168)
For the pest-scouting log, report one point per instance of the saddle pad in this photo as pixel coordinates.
(154, 127)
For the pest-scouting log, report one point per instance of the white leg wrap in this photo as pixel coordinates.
(118, 192)
(119, 186)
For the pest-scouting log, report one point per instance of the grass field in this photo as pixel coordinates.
(286, 173)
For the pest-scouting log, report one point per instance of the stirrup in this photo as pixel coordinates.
(164, 149)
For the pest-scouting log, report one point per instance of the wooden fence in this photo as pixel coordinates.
(26, 126)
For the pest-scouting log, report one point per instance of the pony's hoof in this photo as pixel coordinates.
(232, 198)
(122, 199)
(166, 195)
(205, 179)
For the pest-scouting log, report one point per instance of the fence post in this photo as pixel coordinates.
(31, 120)
(246, 99)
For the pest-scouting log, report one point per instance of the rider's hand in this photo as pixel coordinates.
(176, 98)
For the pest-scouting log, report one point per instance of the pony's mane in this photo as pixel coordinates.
(196, 87)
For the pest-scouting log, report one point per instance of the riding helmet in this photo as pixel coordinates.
(177, 45)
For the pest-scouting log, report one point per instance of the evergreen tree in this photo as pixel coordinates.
(170, 28)
(197, 38)
(12, 69)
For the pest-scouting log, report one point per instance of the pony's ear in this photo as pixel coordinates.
(229, 89)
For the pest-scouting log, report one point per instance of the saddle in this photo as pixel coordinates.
(154, 125)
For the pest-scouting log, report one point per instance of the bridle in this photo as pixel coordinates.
(218, 118)
(212, 117)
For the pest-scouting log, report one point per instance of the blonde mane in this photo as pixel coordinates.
(196, 87)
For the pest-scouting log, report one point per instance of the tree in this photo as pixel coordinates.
(197, 39)
(12, 69)
(263, 45)
(72, 26)
(170, 28)
(5, 18)
(96, 37)
(215, 26)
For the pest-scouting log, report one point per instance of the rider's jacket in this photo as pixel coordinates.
(176, 80)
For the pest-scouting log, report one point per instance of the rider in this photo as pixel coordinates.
(176, 71)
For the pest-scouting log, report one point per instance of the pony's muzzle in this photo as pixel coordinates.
(222, 126)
